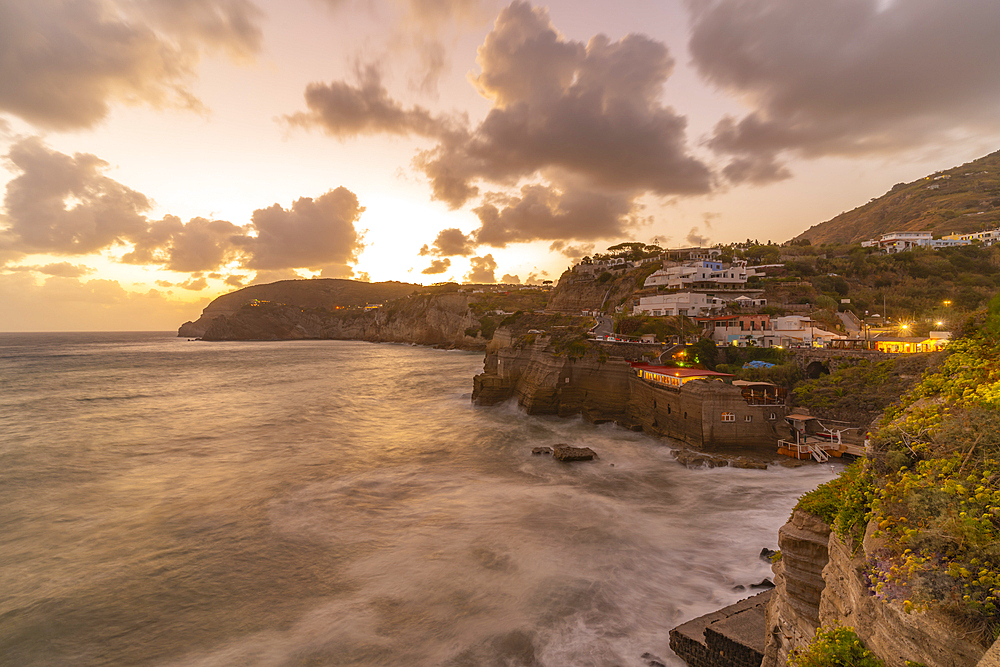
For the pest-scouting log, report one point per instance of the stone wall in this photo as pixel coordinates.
(730, 637)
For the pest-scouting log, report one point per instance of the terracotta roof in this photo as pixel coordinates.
(680, 372)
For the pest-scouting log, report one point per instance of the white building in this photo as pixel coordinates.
(902, 241)
(692, 304)
(710, 274)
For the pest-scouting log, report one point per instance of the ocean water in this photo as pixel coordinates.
(175, 503)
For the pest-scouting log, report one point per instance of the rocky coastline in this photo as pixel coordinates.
(438, 320)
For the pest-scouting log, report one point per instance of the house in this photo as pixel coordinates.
(736, 329)
(685, 303)
(987, 238)
(747, 302)
(706, 273)
(902, 241)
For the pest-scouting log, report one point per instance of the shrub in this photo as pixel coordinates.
(835, 646)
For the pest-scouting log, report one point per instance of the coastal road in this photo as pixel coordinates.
(850, 323)
(605, 326)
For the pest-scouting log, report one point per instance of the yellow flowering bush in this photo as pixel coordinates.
(838, 645)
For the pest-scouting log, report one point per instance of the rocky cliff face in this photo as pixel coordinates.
(425, 320)
(819, 581)
(545, 382)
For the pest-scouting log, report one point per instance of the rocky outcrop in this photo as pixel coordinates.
(545, 382)
(792, 615)
(819, 581)
(440, 320)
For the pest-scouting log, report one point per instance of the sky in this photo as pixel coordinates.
(159, 153)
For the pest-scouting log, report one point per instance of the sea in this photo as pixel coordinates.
(176, 503)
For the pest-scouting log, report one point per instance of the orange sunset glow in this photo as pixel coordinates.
(159, 153)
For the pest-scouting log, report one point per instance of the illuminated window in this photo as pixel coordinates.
(728, 416)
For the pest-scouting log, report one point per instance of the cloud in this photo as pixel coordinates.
(344, 110)
(509, 279)
(568, 109)
(483, 270)
(450, 242)
(199, 245)
(65, 205)
(61, 269)
(696, 239)
(846, 78)
(63, 64)
(543, 212)
(313, 233)
(232, 26)
(235, 280)
(195, 284)
(570, 251)
(437, 266)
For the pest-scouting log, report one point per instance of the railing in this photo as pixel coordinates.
(813, 450)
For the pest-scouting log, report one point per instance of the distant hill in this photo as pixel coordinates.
(959, 200)
(314, 293)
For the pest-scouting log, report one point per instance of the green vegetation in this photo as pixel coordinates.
(930, 488)
(838, 646)
(859, 392)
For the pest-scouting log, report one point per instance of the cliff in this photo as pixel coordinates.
(440, 320)
(819, 581)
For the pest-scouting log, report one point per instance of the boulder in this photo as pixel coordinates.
(538, 451)
(567, 453)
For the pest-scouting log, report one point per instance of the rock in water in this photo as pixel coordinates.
(538, 451)
(567, 453)
(766, 554)
(764, 583)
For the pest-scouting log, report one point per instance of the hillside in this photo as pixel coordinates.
(328, 293)
(959, 200)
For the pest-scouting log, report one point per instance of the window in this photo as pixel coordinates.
(772, 416)
(728, 416)
(748, 418)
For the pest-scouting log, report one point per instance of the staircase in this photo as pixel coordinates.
(818, 453)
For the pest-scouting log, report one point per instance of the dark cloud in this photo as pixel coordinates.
(696, 239)
(509, 279)
(543, 212)
(437, 266)
(63, 64)
(482, 270)
(344, 110)
(450, 242)
(199, 245)
(571, 251)
(235, 280)
(591, 111)
(849, 77)
(314, 233)
(65, 205)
